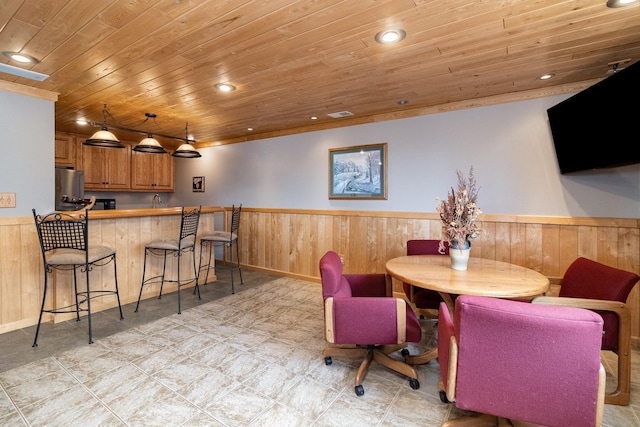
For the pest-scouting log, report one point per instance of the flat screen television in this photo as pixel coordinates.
(600, 126)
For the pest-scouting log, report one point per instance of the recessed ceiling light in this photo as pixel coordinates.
(546, 76)
(225, 87)
(391, 35)
(402, 102)
(249, 129)
(620, 3)
(21, 57)
(314, 117)
(82, 122)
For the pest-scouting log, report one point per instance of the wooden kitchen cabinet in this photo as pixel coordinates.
(152, 172)
(65, 150)
(106, 168)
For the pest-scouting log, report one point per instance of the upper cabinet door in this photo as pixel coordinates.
(152, 172)
(119, 168)
(65, 150)
(164, 173)
(106, 168)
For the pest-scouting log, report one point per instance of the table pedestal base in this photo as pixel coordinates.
(422, 358)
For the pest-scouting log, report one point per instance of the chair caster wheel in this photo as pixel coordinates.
(328, 361)
(443, 397)
(404, 352)
(359, 390)
(414, 383)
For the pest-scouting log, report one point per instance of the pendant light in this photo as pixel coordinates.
(149, 145)
(186, 150)
(104, 138)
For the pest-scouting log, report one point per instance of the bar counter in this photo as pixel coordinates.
(136, 213)
(125, 230)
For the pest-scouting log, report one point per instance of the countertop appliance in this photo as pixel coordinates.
(103, 204)
(69, 189)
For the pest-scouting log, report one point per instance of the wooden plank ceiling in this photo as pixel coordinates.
(293, 59)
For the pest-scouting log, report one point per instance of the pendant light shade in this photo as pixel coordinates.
(149, 145)
(186, 150)
(104, 138)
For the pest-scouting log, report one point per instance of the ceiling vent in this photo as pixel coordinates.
(340, 114)
(21, 72)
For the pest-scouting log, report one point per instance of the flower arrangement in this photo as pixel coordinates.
(459, 213)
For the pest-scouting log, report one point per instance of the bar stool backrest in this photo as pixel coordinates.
(235, 219)
(58, 230)
(189, 226)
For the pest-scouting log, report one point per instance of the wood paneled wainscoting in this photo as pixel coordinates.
(291, 241)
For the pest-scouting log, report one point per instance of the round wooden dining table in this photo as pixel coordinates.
(484, 277)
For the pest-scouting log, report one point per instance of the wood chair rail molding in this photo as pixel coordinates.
(559, 220)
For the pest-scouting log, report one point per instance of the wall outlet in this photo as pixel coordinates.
(341, 259)
(7, 200)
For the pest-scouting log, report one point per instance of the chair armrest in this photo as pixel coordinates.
(447, 352)
(364, 320)
(369, 285)
(620, 309)
(591, 304)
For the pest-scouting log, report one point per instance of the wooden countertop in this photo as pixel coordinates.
(133, 213)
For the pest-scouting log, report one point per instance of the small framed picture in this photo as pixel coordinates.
(358, 172)
(198, 184)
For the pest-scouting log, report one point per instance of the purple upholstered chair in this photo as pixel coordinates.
(363, 321)
(526, 362)
(595, 286)
(425, 301)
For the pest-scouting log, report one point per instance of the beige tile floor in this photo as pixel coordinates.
(249, 359)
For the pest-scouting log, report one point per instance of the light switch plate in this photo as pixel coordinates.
(7, 200)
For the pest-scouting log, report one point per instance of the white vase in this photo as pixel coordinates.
(459, 258)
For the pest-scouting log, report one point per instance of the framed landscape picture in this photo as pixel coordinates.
(358, 172)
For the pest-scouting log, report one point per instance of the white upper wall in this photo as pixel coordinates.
(27, 141)
(509, 145)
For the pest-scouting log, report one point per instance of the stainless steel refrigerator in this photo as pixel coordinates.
(69, 189)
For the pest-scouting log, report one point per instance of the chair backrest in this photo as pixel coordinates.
(590, 279)
(426, 298)
(586, 278)
(333, 282)
(235, 219)
(59, 230)
(528, 362)
(425, 247)
(189, 225)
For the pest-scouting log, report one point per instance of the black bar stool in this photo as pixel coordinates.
(223, 238)
(164, 246)
(64, 244)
